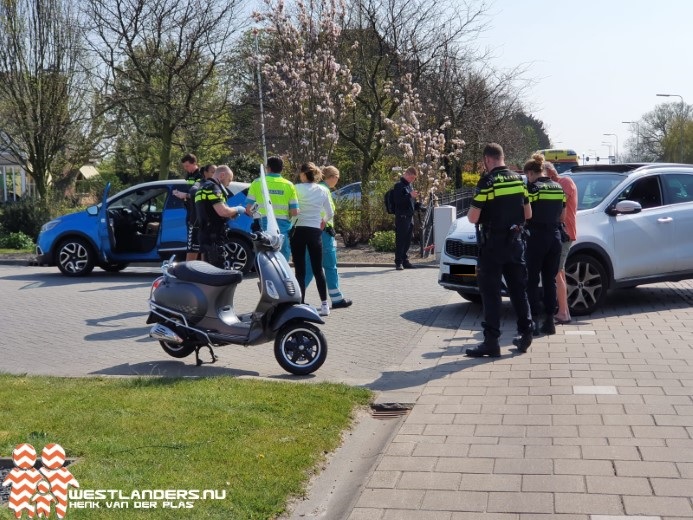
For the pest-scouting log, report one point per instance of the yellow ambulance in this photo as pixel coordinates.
(562, 159)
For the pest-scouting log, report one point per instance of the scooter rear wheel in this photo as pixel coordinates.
(300, 348)
(177, 350)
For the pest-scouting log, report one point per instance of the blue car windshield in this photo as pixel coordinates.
(593, 188)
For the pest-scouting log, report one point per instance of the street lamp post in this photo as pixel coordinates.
(637, 137)
(609, 146)
(681, 118)
(616, 150)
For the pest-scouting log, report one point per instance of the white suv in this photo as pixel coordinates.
(635, 226)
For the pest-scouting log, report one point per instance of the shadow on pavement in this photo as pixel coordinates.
(171, 368)
(38, 280)
(401, 379)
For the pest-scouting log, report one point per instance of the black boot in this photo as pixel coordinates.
(548, 327)
(535, 328)
(487, 348)
(523, 341)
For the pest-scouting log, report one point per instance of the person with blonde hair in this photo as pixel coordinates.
(330, 178)
(543, 252)
(316, 212)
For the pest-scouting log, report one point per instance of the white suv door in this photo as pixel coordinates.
(678, 193)
(644, 242)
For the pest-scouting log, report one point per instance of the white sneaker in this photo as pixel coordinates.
(324, 309)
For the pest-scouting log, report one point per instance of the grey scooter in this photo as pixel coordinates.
(192, 306)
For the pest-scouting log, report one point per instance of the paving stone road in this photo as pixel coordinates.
(594, 423)
(95, 325)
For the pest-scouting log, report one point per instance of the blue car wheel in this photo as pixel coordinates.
(75, 257)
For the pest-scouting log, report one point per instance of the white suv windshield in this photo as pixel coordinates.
(593, 188)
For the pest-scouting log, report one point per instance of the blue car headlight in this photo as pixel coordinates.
(49, 225)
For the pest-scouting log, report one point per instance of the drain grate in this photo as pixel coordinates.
(390, 410)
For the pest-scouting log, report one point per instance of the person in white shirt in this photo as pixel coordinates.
(316, 211)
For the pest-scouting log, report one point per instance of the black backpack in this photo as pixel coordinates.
(389, 200)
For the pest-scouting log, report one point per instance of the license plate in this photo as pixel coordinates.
(463, 270)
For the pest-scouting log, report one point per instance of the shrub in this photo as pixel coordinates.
(26, 216)
(16, 240)
(347, 221)
(470, 179)
(383, 241)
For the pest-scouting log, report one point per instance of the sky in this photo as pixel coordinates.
(593, 64)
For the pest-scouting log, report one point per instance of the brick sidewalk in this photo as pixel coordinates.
(595, 422)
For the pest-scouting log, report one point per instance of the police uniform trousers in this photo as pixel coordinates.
(502, 255)
(211, 243)
(543, 256)
(404, 229)
(329, 267)
(284, 227)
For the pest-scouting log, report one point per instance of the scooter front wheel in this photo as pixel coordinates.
(300, 348)
(177, 350)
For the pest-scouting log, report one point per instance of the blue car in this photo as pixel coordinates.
(144, 223)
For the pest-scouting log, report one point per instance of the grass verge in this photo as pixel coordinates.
(255, 441)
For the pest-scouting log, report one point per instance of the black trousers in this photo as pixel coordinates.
(503, 256)
(211, 246)
(543, 257)
(311, 239)
(404, 229)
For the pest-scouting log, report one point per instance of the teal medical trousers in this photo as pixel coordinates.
(329, 266)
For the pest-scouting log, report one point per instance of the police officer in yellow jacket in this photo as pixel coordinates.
(284, 199)
(499, 209)
(543, 253)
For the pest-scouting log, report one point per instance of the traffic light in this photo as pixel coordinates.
(587, 159)
(597, 159)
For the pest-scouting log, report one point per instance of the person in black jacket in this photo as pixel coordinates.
(499, 209)
(212, 214)
(404, 196)
(543, 250)
(193, 174)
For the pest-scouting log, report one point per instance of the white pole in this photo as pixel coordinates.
(262, 110)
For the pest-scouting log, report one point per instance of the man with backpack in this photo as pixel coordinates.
(403, 201)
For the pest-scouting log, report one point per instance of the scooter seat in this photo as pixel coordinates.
(203, 273)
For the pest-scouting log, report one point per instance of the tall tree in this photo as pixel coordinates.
(308, 89)
(661, 133)
(45, 98)
(163, 58)
(389, 43)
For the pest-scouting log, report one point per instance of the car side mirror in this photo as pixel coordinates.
(625, 207)
(93, 210)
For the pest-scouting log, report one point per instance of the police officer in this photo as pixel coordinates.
(500, 207)
(194, 228)
(193, 175)
(404, 197)
(544, 241)
(284, 199)
(212, 213)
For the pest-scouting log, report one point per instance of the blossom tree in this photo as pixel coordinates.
(422, 144)
(307, 89)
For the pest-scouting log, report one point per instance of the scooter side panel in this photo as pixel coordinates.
(185, 298)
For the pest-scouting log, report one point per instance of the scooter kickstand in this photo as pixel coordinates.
(198, 361)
